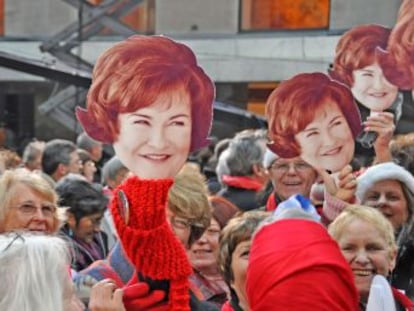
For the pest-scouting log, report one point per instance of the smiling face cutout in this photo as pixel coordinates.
(158, 81)
(157, 136)
(313, 117)
(372, 89)
(327, 141)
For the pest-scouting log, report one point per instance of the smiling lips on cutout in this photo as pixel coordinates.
(156, 157)
(332, 151)
(378, 94)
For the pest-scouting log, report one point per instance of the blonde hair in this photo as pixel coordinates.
(34, 181)
(367, 214)
(188, 197)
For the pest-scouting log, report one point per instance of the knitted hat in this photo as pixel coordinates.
(295, 265)
(268, 158)
(380, 172)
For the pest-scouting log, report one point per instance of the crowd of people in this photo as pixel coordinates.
(283, 218)
(57, 208)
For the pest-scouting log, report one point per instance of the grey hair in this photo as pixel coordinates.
(221, 167)
(57, 151)
(243, 153)
(85, 142)
(34, 273)
(111, 168)
(32, 151)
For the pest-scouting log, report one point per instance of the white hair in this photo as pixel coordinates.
(33, 272)
(222, 168)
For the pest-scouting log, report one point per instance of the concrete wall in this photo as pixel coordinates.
(37, 17)
(196, 16)
(348, 13)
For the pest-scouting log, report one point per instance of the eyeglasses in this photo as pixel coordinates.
(30, 209)
(284, 167)
(15, 238)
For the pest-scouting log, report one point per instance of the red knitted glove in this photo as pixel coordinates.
(138, 297)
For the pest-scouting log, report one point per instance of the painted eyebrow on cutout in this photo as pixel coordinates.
(311, 129)
(366, 70)
(134, 114)
(181, 115)
(336, 118)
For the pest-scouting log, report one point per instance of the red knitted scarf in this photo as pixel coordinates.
(149, 241)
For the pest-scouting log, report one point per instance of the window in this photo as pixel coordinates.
(284, 14)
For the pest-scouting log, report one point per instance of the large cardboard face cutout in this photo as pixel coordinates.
(357, 64)
(152, 102)
(397, 59)
(314, 117)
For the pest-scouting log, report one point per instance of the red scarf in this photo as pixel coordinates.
(243, 182)
(271, 203)
(402, 299)
(148, 240)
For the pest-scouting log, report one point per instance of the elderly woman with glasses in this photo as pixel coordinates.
(27, 202)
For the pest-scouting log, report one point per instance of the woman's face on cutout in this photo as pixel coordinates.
(372, 89)
(154, 141)
(327, 141)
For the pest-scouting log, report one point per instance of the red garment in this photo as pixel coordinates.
(227, 307)
(148, 240)
(211, 290)
(243, 182)
(295, 265)
(402, 299)
(271, 203)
